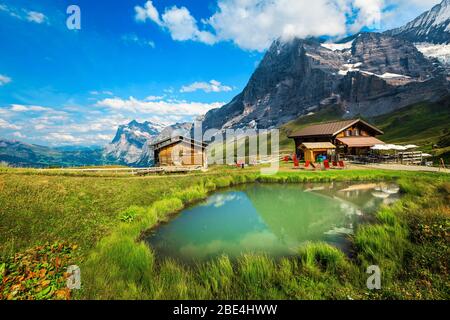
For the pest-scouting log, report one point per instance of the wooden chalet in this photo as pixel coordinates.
(334, 139)
(179, 151)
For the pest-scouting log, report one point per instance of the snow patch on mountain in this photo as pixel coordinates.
(126, 147)
(438, 51)
(338, 46)
(432, 26)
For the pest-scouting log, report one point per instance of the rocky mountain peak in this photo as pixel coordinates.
(371, 74)
(381, 54)
(432, 26)
(130, 139)
(137, 133)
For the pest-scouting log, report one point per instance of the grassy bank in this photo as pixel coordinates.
(105, 217)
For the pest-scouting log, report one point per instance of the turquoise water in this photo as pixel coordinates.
(270, 219)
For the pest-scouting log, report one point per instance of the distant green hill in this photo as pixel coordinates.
(426, 124)
(20, 154)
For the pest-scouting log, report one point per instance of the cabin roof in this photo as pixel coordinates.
(360, 142)
(318, 145)
(174, 140)
(331, 128)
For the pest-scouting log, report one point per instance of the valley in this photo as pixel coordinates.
(145, 218)
(393, 78)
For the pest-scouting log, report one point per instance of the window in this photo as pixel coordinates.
(356, 132)
(348, 133)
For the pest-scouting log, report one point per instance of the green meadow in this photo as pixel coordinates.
(52, 219)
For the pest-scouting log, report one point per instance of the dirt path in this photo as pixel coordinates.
(402, 167)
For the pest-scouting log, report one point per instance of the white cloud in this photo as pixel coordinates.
(93, 126)
(179, 22)
(154, 98)
(4, 80)
(62, 138)
(254, 24)
(134, 39)
(19, 135)
(36, 17)
(369, 14)
(97, 93)
(103, 137)
(148, 12)
(22, 108)
(24, 14)
(7, 125)
(211, 86)
(159, 108)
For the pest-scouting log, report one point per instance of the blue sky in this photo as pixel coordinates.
(164, 60)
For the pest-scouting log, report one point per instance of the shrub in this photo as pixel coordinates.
(223, 182)
(166, 206)
(130, 214)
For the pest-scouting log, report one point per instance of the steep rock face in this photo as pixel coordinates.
(292, 74)
(390, 74)
(372, 74)
(432, 26)
(127, 145)
(382, 54)
(430, 32)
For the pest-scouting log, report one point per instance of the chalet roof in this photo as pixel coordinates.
(330, 128)
(318, 145)
(359, 142)
(173, 140)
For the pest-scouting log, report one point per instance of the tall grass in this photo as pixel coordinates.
(120, 266)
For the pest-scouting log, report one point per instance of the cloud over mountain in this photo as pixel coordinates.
(255, 24)
(211, 86)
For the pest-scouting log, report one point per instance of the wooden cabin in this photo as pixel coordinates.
(180, 151)
(313, 150)
(348, 137)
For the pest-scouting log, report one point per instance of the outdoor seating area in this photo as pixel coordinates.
(321, 165)
(354, 141)
(391, 153)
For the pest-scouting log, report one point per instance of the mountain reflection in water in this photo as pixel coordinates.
(270, 219)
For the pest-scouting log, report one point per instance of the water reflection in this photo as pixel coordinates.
(270, 219)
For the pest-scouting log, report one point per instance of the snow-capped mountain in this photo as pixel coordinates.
(179, 129)
(432, 26)
(132, 143)
(430, 32)
(127, 145)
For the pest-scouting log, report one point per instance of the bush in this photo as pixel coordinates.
(223, 182)
(130, 214)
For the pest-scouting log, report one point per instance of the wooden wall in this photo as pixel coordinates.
(363, 131)
(181, 154)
